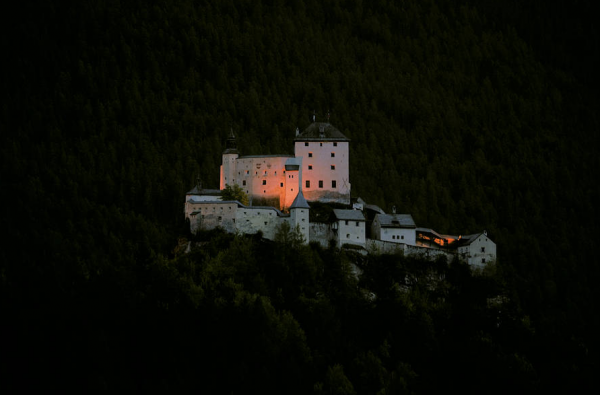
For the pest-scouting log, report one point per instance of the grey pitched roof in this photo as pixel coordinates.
(300, 201)
(395, 220)
(206, 192)
(468, 239)
(374, 208)
(313, 133)
(352, 215)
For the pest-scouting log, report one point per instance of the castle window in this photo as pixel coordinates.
(356, 223)
(332, 167)
(265, 172)
(265, 222)
(309, 167)
(333, 154)
(482, 249)
(264, 191)
(247, 172)
(335, 144)
(281, 184)
(347, 235)
(333, 183)
(321, 144)
(308, 183)
(244, 182)
(302, 219)
(346, 222)
(393, 237)
(275, 173)
(321, 184)
(306, 144)
(310, 154)
(482, 260)
(220, 218)
(402, 237)
(264, 182)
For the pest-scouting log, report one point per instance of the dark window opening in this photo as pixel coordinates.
(321, 184)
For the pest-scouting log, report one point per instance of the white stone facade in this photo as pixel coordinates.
(478, 250)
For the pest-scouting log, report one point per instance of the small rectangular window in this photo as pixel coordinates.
(321, 184)
(482, 249)
(333, 154)
(244, 182)
(333, 183)
(308, 183)
(332, 167)
(482, 260)
(356, 223)
(335, 144)
(306, 144)
(310, 154)
(281, 184)
(320, 144)
(309, 167)
(346, 222)
(264, 182)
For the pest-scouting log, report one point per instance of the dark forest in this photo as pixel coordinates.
(469, 115)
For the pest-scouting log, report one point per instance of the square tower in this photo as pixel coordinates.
(325, 154)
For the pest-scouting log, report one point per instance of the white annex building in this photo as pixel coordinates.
(280, 188)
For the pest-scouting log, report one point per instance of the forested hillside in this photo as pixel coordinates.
(468, 115)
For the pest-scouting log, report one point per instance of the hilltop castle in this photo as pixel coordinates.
(280, 188)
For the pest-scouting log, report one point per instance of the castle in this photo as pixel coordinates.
(320, 165)
(280, 188)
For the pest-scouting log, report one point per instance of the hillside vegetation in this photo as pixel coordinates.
(468, 115)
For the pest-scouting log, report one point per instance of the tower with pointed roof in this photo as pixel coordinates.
(299, 209)
(228, 166)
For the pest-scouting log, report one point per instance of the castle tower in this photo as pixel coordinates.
(299, 215)
(299, 209)
(228, 166)
(325, 157)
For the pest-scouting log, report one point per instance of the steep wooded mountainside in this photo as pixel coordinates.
(468, 115)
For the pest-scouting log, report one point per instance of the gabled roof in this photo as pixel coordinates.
(321, 131)
(468, 239)
(374, 207)
(351, 215)
(300, 201)
(395, 220)
(204, 192)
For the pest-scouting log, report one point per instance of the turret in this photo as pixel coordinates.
(299, 214)
(228, 165)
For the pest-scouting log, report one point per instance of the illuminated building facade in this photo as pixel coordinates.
(321, 163)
